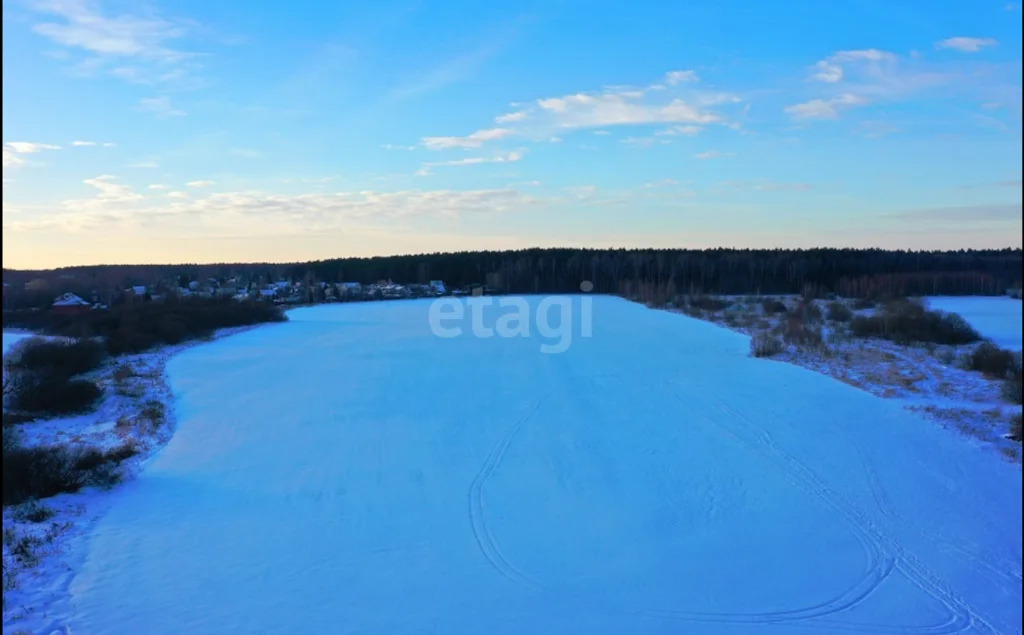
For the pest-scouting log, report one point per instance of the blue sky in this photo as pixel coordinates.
(221, 131)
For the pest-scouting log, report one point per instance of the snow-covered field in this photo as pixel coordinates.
(997, 318)
(350, 472)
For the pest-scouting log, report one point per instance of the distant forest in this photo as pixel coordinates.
(629, 272)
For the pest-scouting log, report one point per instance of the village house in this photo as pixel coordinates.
(70, 304)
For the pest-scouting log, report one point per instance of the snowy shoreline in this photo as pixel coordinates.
(40, 557)
(926, 379)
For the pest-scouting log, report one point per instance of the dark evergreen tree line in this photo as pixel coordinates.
(849, 272)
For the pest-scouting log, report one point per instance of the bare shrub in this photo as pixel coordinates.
(765, 345)
(772, 305)
(124, 372)
(809, 311)
(31, 511)
(795, 330)
(992, 360)
(1011, 390)
(54, 395)
(839, 312)
(905, 321)
(154, 411)
(44, 471)
(65, 358)
(707, 302)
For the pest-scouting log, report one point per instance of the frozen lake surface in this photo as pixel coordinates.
(997, 318)
(350, 472)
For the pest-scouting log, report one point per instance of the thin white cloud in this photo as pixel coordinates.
(644, 142)
(109, 144)
(132, 47)
(511, 117)
(275, 214)
(160, 106)
(661, 183)
(511, 157)
(610, 109)
(25, 147)
(864, 55)
(391, 146)
(201, 183)
(143, 165)
(602, 133)
(714, 154)
(966, 44)
(689, 131)
(677, 77)
(828, 72)
(109, 194)
(673, 101)
(158, 186)
(763, 185)
(824, 108)
(12, 151)
(83, 144)
(454, 70)
(474, 140)
(831, 69)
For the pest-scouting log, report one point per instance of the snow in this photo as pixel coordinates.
(349, 472)
(13, 337)
(996, 318)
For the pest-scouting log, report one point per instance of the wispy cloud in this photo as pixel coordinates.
(677, 77)
(764, 185)
(714, 154)
(674, 99)
(644, 142)
(158, 186)
(12, 151)
(661, 183)
(511, 157)
(824, 108)
(966, 44)
(511, 117)
(132, 47)
(831, 69)
(160, 106)
(143, 165)
(201, 183)
(474, 140)
(275, 214)
(611, 109)
(688, 131)
(109, 196)
(454, 70)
